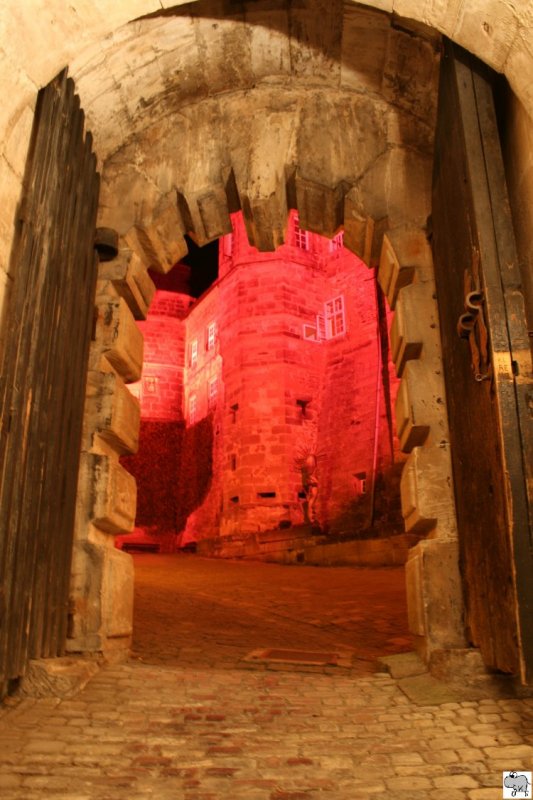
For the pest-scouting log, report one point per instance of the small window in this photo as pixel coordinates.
(212, 393)
(233, 462)
(335, 320)
(192, 409)
(320, 327)
(194, 353)
(211, 336)
(337, 243)
(301, 238)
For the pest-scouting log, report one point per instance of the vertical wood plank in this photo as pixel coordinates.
(43, 376)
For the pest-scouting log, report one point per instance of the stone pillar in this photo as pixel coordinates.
(101, 599)
(434, 590)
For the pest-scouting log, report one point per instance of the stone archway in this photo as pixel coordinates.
(334, 170)
(346, 158)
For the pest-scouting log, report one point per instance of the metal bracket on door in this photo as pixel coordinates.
(472, 326)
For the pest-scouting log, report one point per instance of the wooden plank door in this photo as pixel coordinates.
(487, 366)
(42, 380)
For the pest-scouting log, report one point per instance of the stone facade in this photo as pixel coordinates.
(283, 354)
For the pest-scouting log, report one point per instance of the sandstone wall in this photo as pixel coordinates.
(282, 396)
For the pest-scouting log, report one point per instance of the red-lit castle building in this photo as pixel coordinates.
(282, 362)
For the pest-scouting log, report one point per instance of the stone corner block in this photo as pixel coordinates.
(112, 411)
(405, 252)
(358, 229)
(161, 244)
(421, 406)
(320, 207)
(118, 337)
(205, 214)
(435, 595)
(117, 602)
(426, 490)
(112, 493)
(57, 677)
(415, 328)
(130, 278)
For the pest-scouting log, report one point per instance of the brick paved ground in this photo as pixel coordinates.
(191, 732)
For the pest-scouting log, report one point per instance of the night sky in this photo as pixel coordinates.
(203, 262)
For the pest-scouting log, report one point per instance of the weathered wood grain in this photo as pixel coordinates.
(470, 217)
(42, 388)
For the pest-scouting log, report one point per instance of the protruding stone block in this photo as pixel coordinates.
(117, 606)
(320, 208)
(117, 335)
(358, 228)
(414, 406)
(392, 274)
(113, 493)
(426, 492)
(130, 278)
(434, 596)
(160, 245)
(415, 324)
(206, 214)
(265, 220)
(113, 412)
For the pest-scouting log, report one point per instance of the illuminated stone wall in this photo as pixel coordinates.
(282, 392)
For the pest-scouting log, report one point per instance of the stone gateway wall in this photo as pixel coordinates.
(324, 108)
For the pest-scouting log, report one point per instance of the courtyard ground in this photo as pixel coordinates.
(207, 612)
(193, 721)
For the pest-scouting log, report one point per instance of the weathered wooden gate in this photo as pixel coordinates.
(487, 366)
(43, 376)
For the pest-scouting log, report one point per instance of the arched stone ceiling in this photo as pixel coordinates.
(242, 111)
(124, 69)
(37, 40)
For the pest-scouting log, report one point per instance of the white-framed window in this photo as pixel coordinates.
(335, 319)
(211, 336)
(301, 238)
(193, 409)
(328, 325)
(321, 327)
(193, 360)
(337, 243)
(212, 392)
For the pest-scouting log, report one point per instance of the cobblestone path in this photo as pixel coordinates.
(206, 612)
(186, 732)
